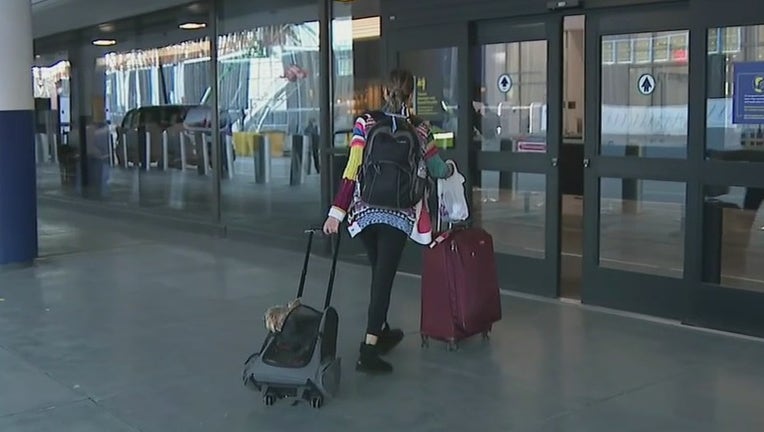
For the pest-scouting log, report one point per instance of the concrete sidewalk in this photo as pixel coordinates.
(125, 327)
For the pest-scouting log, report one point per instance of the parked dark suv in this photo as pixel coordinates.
(194, 121)
(154, 119)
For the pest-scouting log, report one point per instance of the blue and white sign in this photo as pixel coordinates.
(505, 83)
(748, 93)
(646, 84)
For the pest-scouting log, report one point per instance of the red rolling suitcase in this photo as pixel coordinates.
(460, 288)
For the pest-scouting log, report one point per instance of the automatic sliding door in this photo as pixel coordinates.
(516, 121)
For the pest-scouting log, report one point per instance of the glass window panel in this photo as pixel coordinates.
(729, 138)
(731, 41)
(642, 226)
(608, 52)
(269, 66)
(623, 52)
(436, 91)
(51, 75)
(733, 237)
(358, 74)
(679, 42)
(660, 49)
(512, 207)
(511, 110)
(713, 41)
(644, 106)
(643, 50)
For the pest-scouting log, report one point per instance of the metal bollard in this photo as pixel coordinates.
(296, 159)
(263, 160)
(49, 142)
(205, 154)
(147, 165)
(124, 150)
(229, 155)
(165, 150)
(307, 155)
(55, 148)
(182, 151)
(112, 150)
(38, 148)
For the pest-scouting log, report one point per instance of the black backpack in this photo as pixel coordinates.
(390, 175)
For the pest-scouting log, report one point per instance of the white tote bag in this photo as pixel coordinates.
(452, 199)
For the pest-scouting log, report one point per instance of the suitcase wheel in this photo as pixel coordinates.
(425, 341)
(317, 402)
(452, 346)
(486, 336)
(269, 399)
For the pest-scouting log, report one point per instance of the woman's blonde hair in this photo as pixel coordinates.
(399, 88)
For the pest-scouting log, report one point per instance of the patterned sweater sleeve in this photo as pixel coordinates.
(436, 167)
(347, 186)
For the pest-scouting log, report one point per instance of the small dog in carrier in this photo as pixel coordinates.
(276, 315)
(298, 358)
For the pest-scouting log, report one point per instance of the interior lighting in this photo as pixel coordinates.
(104, 42)
(192, 26)
(366, 28)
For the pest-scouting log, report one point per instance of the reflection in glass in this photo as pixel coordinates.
(645, 95)
(726, 138)
(511, 109)
(436, 91)
(358, 73)
(142, 149)
(572, 157)
(56, 170)
(733, 243)
(512, 207)
(269, 89)
(642, 226)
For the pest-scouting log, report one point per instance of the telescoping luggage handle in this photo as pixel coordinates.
(335, 254)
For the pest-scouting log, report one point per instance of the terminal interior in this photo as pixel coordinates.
(612, 149)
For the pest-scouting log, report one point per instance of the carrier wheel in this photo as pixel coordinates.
(452, 346)
(486, 336)
(269, 400)
(425, 341)
(317, 402)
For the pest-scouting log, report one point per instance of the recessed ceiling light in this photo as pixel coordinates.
(107, 27)
(192, 26)
(104, 42)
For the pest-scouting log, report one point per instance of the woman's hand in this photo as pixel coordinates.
(451, 168)
(331, 226)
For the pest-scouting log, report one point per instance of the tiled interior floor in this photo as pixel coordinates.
(126, 327)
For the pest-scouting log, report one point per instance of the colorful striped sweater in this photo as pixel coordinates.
(348, 202)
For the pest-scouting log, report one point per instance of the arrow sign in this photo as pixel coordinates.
(646, 84)
(505, 83)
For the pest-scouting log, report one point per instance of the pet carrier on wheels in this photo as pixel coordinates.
(300, 361)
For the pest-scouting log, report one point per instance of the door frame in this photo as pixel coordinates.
(426, 37)
(636, 292)
(715, 305)
(519, 273)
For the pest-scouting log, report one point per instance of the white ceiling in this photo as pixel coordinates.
(55, 16)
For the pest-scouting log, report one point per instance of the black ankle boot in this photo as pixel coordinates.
(389, 339)
(370, 362)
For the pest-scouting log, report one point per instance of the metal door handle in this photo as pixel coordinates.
(554, 161)
(586, 163)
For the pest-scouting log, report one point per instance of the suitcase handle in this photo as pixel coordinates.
(330, 288)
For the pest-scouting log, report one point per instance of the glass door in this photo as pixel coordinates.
(636, 168)
(514, 139)
(729, 294)
(437, 61)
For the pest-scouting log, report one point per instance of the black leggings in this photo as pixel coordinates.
(384, 247)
